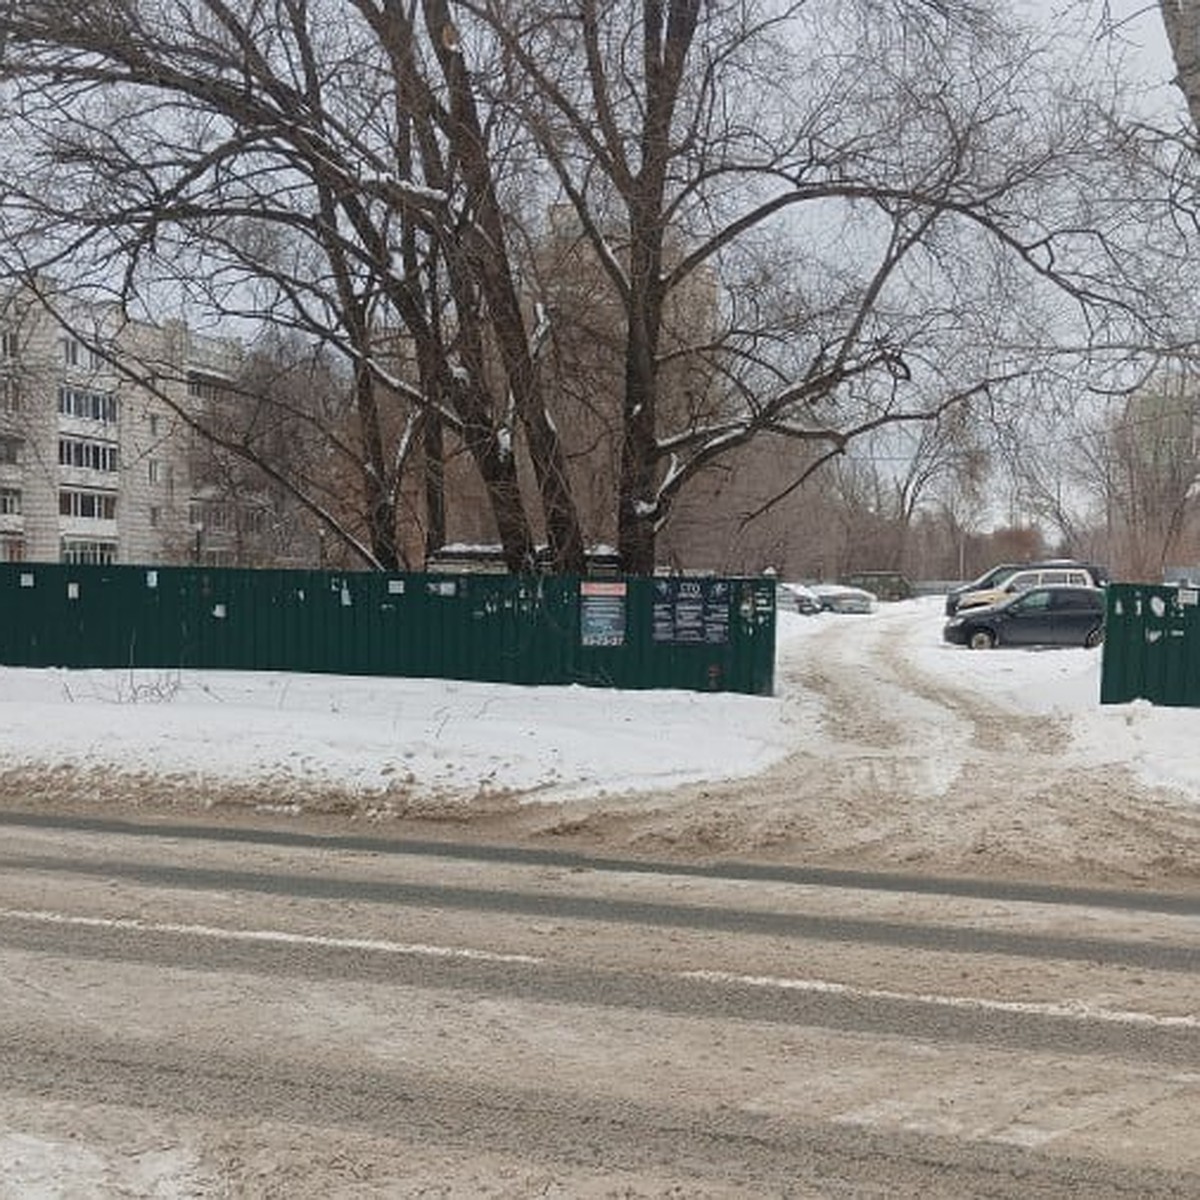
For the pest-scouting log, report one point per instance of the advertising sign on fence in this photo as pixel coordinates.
(601, 612)
(691, 611)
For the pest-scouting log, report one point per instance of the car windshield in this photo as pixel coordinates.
(992, 579)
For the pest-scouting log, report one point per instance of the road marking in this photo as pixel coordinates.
(1074, 1009)
(270, 935)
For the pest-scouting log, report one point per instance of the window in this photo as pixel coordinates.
(10, 450)
(88, 404)
(9, 344)
(1077, 602)
(154, 422)
(88, 506)
(1033, 602)
(93, 456)
(10, 396)
(159, 471)
(91, 553)
(218, 516)
(204, 387)
(155, 514)
(76, 354)
(12, 549)
(227, 517)
(10, 502)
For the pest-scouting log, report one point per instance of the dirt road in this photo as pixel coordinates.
(912, 772)
(195, 1012)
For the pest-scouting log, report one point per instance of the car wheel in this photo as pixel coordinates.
(982, 639)
(1094, 638)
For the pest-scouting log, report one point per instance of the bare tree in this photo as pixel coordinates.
(810, 224)
(1152, 465)
(320, 166)
(893, 213)
(1118, 483)
(913, 468)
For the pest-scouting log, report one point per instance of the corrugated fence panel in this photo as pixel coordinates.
(1151, 645)
(698, 634)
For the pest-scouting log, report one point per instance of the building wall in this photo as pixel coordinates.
(103, 470)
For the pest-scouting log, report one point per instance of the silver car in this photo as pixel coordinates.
(841, 598)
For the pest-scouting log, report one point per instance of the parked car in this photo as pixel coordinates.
(1041, 616)
(796, 597)
(841, 598)
(994, 579)
(1022, 581)
(883, 585)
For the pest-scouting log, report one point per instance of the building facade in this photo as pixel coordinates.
(98, 459)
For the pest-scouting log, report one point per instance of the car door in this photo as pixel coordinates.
(1027, 620)
(1075, 614)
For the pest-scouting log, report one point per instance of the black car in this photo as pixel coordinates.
(1043, 616)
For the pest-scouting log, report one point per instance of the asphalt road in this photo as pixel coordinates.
(258, 1012)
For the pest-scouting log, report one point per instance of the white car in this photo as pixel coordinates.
(796, 597)
(841, 598)
(1022, 581)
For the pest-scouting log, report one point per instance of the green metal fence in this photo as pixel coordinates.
(699, 634)
(1151, 645)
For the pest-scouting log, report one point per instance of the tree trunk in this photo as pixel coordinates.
(636, 507)
(433, 444)
(487, 253)
(1181, 20)
(668, 30)
(379, 509)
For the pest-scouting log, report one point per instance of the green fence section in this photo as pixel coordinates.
(1151, 645)
(697, 634)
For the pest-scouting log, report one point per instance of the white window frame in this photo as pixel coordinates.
(87, 404)
(88, 455)
(86, 552)
(81, 504)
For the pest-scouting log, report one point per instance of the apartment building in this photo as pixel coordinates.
(97, 463)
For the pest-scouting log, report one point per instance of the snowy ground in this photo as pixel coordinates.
(379, 737)
(874, 719)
